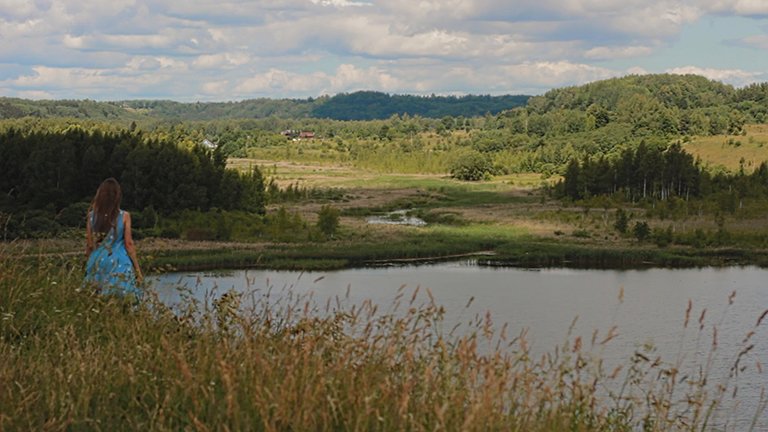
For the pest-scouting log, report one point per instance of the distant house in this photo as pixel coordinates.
(297, 134)
(208, 144)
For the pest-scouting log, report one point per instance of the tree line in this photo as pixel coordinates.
(653, 172)
(371, 105)
(54, 168)
(362, 105)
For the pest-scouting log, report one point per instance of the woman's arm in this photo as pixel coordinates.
(130, 247)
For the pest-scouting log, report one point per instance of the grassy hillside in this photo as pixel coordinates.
(729, 152)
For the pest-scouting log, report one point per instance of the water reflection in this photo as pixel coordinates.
(686, 317)
(397, 217)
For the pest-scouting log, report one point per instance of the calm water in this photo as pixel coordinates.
(545, 303)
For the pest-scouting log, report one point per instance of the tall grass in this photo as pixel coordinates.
(72, 360)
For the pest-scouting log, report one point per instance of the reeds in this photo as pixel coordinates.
(274, 361)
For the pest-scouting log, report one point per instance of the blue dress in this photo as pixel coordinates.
(109, 267)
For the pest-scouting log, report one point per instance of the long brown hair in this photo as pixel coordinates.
(106, 206)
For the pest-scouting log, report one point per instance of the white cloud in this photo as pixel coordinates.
(338, 3)
(603, 52)
(10, 30)
(349, 77)
(636, 70)
(222, 61)
(18, 9)
(346, 78)
(274, 79)
(215, 88)
(738, 7)
(232, 49)
(35, 94)
(94, 82)
(74, 42)
(555, 74)
(143, 64)
(736, 77)
(46, 77)
(656, 20)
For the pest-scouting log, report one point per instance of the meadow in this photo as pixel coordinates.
(731, 152)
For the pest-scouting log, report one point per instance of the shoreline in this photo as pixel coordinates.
(161, 255)
(525, 255)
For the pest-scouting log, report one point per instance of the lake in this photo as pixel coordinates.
(647, 307)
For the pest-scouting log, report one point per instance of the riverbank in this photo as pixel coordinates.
(527, 254)
(486, 247)
(509, 221)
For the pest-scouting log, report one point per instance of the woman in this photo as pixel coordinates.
(112, 264)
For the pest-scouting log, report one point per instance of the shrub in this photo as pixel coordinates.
(146, 218)
(285, 226)
(40, 227)
(328, 220)
(30, 224)
(622, 221)
(73, 215)
(641, 231)
(581, 233)
(663, 237)
(473, 166)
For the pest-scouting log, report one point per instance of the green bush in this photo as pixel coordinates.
(641, 231)
(663, 237)
(622, 221)
(581, 233)
(73, 215)
(30, 224)
(473, 166)
(328, 220)
(212, 225)
(286, 227)
(146, 218)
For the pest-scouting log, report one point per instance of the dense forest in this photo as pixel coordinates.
(659, 173)
(48, 176)
(364, 105)
(369, 105)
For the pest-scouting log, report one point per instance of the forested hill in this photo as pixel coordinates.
(664, 90)
(368, 105)
(365, 105)
(622, 99)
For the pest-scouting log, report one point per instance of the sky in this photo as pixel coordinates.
(231, 50)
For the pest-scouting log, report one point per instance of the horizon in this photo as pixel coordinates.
(277, 97)
(232, 50)
(426, 96)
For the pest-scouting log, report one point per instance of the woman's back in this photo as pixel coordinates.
(109, 266)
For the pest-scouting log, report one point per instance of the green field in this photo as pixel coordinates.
(728, 151)
(335, 175)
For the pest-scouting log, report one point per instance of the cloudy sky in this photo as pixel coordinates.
(222, 50)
